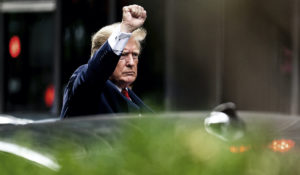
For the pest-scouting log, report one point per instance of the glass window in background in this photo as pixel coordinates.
(29, 54)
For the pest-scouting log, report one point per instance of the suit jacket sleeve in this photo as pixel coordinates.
(90, 81)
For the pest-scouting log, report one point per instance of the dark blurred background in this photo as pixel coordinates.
(198, 53)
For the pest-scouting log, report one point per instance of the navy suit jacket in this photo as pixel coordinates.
(89, 91)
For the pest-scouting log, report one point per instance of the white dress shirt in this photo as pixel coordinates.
(118, 40)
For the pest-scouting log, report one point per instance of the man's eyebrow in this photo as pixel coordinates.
(134, 51)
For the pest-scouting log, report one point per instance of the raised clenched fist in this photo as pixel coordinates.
(134, 17)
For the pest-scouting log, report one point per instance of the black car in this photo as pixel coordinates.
(218, 142)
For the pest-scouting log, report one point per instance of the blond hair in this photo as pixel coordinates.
(100, 37)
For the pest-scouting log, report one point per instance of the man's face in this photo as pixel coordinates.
(126, 70)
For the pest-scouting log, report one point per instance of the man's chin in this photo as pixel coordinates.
(128, 80)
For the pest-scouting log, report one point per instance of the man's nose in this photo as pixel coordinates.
(129, 60)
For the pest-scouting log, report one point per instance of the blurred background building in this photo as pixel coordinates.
(198, 53)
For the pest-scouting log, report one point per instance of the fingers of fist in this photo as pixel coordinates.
(135, 11)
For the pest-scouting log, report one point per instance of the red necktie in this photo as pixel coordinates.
(125, 93)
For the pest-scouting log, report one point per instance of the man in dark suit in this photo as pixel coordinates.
(103, 84)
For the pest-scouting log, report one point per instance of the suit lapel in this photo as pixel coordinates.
(139, 102)
(119, 101)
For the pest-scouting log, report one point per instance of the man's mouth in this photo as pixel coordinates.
(130, 73)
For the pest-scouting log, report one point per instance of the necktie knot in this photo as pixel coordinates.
(125, 93)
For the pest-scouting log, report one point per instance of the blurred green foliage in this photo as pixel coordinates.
(160, 146)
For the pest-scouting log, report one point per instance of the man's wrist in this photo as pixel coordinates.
(125, 28)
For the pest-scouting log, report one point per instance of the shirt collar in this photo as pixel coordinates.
(120, 89)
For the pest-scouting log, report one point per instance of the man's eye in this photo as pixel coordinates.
(135, 54)
(124, 55)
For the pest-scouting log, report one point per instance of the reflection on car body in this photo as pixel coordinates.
(29, 154)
